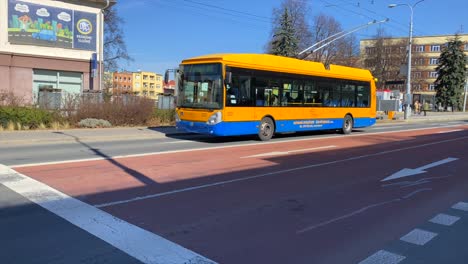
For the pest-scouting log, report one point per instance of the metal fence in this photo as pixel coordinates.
(165, 102)
(388, 105)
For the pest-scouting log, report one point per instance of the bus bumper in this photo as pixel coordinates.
(220, 129)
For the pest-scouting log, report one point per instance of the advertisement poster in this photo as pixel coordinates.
(41, 25)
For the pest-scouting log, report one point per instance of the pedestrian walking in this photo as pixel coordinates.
(425, 107)
(417, 107)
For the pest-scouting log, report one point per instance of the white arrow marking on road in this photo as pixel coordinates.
(281, 153)
(410, 172)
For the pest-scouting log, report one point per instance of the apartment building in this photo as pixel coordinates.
(426, 51)
(122, 82)
(50, 45)
(147, 84)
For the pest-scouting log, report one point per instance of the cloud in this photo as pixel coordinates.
(22, 8)
(43, 12)
(64, 16)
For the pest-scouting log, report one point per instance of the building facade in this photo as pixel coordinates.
(122, 83)
(426, 51)
(147, 84)
(50, 45)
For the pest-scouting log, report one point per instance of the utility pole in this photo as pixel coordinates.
(408, 100)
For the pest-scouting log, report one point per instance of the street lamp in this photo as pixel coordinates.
(101, 43)
(408, 77)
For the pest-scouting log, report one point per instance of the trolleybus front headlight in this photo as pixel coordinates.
(214, 119)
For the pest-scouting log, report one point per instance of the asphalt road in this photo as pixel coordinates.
(32, 153)
(313, 198)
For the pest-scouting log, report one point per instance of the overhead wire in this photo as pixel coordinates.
(393, 21)
(250, 22)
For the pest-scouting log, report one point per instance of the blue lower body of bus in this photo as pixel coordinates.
(282, 126)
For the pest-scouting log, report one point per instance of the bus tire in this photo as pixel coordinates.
(267, 129)
(347, 125)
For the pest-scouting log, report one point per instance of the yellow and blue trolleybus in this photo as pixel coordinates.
(245, 94)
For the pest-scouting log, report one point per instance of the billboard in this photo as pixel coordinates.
(33, 24)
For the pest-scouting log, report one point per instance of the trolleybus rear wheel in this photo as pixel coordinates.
(267, 129)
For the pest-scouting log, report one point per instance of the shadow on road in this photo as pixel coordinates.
(134, 173)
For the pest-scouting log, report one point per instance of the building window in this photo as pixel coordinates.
(434, 61)
(435, 48)
(433, 74)
(416, 74)
(370, 50)
(129, 79)
(65, 82)
(419, 49)
(419, 61)
(466, 46)
(431, 87)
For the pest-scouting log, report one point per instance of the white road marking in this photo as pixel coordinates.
(136, 242)
(461, 206)
(212, 148)
(417, 191)
(418, 237)
(405, 184)
(282, 153)
(411, 172)
(444, 219)
(361, 211)
(138, 198)
(309, 228)
(383, 257)
(174, 142)
(449, 131)
(385, 127)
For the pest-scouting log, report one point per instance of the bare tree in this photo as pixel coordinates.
(115, 49)
(297, 10)
(341, 51)
(384, 57)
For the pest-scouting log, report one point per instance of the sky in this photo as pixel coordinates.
(161, 33)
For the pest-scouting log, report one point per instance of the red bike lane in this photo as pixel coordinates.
(291, 202)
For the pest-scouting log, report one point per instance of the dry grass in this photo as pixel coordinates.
(1, 128)
(55, 125)
(10, 126)
(42, 126)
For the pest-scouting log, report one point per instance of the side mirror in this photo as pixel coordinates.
(166, 77)
(228, 78)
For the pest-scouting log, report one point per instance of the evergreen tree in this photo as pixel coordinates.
(451, 74)
(284, 41)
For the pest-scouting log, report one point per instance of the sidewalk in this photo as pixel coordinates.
(135, 133)
(98, 134)
(430, 116)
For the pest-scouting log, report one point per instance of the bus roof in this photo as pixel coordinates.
(269, 62)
